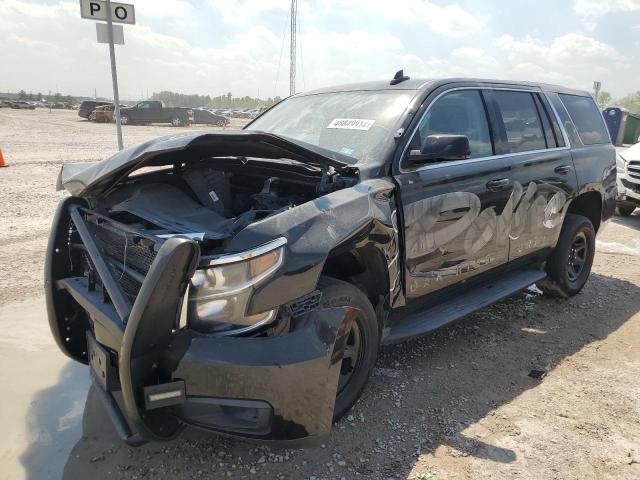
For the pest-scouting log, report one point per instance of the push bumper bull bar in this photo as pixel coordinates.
(154, 378)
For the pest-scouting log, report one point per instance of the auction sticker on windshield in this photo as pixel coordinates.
(351, 123)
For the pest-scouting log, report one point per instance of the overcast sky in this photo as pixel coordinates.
(219, 46)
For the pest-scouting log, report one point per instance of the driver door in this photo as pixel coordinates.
(456, 213)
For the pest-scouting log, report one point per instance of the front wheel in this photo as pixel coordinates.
(363, 339)
(569, 265)
(624, 210)
(177, 121)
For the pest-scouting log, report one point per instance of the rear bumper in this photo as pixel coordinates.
(154, 379)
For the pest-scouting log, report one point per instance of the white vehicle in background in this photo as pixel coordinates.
(628, 175)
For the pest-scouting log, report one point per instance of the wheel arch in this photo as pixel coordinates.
(364, 266)
(588, 204)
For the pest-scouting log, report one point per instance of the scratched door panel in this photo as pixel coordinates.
(543, 174)
(542, 186)
(455, 226)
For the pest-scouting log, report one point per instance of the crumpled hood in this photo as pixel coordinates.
(81, 179)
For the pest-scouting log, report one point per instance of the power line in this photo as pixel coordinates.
(292, 60)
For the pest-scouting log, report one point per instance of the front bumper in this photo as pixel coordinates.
(154, 377)
(628, 191)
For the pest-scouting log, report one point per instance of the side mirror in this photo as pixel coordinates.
(440, 148)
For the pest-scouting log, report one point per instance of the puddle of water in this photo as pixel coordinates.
(42, 411)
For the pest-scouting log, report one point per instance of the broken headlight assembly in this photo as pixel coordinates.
(219, 294)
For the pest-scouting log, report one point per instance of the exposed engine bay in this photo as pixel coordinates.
(212, 199)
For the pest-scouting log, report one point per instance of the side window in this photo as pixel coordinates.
(521, 121)
(460, 112)
(586, 117)
(145, 105)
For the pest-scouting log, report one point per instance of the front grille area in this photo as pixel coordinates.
(633, 169)
(128, 255)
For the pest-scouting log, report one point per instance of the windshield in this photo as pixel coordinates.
(352, 123)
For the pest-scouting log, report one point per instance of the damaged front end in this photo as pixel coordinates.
(146, 283)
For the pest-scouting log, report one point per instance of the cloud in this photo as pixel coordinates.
(594, 8)
(340, 41)
(571, 59)
(451, 20)
(571, 48)
(242, 11)
(163, 8)
(36, 10)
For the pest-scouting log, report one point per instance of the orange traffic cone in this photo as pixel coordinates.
(2, 164)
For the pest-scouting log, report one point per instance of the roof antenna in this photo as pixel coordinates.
(398, 77)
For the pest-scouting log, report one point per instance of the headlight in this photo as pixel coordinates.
(621, 163)
(219, 294)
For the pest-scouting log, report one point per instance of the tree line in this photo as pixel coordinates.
(631, 101)
(39, 97)
(173, 99)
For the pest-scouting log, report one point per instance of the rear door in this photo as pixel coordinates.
(544, 178)
(453, 223)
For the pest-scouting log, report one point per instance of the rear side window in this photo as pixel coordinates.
(460, 112)
(521, 121)
(586, 117)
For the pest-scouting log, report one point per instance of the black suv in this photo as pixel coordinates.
(244, 281)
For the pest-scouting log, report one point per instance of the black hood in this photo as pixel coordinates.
(93, 178)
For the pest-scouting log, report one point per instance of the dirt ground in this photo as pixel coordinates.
(456, 404)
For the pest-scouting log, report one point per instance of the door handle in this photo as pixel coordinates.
(563, 169)
(498, 184)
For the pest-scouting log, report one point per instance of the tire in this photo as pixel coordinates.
(177, 121)
(124, 120)
(625, 210)
(353, 375)
(569, 265)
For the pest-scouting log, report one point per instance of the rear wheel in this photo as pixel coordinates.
(124, 119)
(569, 265)
(363, 339)
(625, 210)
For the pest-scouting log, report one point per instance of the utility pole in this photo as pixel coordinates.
(292, 60)
(114, 75)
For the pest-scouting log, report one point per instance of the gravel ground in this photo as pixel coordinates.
(456, 404)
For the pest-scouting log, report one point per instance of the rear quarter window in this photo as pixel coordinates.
(586, 117)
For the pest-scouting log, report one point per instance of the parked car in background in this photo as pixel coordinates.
(247, 288)
(152, 111)
(102, 114)
(207, 117)
(87, 106)
(5, 103)
(628, 168)
(19, 104)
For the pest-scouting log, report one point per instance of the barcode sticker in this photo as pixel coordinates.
(351, 123)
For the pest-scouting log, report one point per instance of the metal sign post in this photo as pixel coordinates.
(102, 10)
(114, 76)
